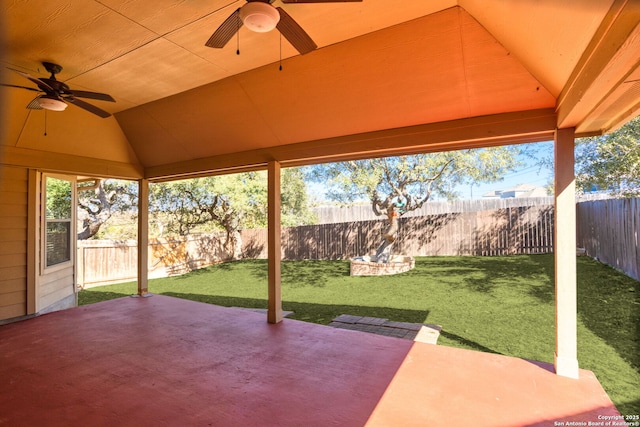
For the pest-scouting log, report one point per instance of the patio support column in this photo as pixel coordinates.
(274, 312)
(566, 355)
(143, 237)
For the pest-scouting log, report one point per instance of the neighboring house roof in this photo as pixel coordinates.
(520, 190)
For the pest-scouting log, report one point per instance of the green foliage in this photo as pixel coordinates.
(220, 203)
(226, 202)
(610, 162)
(59, 198)
(410, 181)
(296, 207)
(501, 305)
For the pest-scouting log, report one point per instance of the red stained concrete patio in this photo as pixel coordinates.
(163, 361)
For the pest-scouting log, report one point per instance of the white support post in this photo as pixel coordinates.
(274, 312)
(143, 237)
(566, 355)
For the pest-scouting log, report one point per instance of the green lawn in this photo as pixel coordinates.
(502, 305)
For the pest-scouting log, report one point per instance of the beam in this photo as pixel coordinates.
(484, 131)
(605, 64)
(69, 164)
(566, 355)
(143, 237)
(274, 312)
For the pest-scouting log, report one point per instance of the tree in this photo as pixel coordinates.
(610, 162)
(227, 202)
(406, 183)
(99, 199)
(294, 199)
(396, 185)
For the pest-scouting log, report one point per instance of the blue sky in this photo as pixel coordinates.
(529, 173)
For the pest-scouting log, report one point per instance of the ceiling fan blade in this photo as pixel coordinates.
(21, 87)
(320, 1)
(34, 104)
(225, 31)
(293, 32)
(86, 106)
(91, 95)
(42, 85)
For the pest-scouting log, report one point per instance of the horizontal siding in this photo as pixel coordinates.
(9, 173)
(16, 247)
(15, 310)
(54, 285)
(12, 298)
(13, 242)
(12, 285)
(12, 272)
(15, 260)
(10, 211)
(10, 223)
(15, 234)
(54, 297)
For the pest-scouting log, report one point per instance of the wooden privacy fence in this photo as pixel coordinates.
(109, 261)
(608, 230)
(516, 230)
(513, 230)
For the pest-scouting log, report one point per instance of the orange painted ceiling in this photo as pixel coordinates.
(381, 66)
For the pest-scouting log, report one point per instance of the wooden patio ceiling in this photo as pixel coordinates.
(386, 79)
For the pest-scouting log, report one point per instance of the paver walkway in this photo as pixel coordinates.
(376, 325)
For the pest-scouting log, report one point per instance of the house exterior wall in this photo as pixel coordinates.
(13, 242)
(28, 290)
(55, 285)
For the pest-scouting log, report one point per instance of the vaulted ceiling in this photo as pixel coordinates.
(387, 78)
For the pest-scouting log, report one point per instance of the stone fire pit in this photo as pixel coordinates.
(367, 266)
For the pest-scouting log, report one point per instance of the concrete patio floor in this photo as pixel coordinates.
(164, 361)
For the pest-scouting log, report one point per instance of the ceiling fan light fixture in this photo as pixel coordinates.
(52, 104)
(259, 17)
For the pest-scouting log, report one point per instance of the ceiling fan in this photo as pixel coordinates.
(55, 94)
(260, 16)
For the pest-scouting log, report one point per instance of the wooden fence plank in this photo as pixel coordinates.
(608, 230)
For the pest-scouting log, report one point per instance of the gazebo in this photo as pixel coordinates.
(387, 78)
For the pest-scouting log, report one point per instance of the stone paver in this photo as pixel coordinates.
(372, 321)
(347, 318)
(412, 331)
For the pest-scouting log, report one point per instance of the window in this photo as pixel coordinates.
(58, 216)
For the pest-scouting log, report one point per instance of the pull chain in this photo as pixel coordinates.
(280, 51)
(45, 122)
(238, 34)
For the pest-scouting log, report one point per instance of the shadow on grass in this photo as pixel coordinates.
(533, 274)
(609, 305)
(468, 343)
(315, 313)
(92, 297)
(295, 274)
